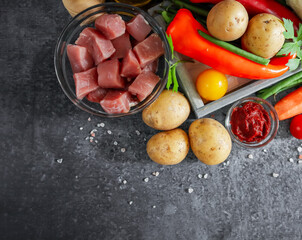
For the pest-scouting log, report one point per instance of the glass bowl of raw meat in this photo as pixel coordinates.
(112, 59)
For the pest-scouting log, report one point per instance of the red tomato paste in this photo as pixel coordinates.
(250, 122)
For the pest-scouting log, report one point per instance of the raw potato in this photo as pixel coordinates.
(168, 148)
(169, 111)
(264, 35)
(227, 20)
(210, 141)
(296, 5)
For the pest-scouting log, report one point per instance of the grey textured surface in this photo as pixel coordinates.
(84, 196)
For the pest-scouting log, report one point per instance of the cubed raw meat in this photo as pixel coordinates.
(116, 102)
(85, 82)
(109, 76)
(97, 95)
(149, 50)
(98, 46)
(130, 66)
(121, 44)
(151, 67)
(79, 58)
(111, 25)
(143, 85)
(138, 28)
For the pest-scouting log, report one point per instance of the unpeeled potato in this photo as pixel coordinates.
(264, 35)
(76, 6)
(210, 141)
(168, 111)
(227, 20)
(168, 148)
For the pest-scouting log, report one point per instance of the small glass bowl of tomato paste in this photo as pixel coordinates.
(252, 122)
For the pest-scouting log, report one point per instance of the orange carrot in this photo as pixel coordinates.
(290, 105)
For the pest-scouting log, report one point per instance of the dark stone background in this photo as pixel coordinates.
(84, 196)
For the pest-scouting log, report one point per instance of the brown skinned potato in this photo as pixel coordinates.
(227, 20)
(264, 35)
(169, 111)
(168, 148)
(210, 141)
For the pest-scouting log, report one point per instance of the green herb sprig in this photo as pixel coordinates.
(172, 78)
(293, 45)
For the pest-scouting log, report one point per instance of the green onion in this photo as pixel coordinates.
(235, 49)
(292, 81)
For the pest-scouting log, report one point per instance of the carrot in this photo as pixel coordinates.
(290, 105)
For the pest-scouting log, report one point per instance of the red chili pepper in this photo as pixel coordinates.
(186, 40)
(254, 7)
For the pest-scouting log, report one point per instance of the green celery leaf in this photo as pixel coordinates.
(293, 64)
(289, 29)
(287, 48)
(299, 32)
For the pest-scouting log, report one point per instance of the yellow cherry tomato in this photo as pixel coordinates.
(211, 84)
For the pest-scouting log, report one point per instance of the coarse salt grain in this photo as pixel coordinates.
(109, 132)
(96, 141)
(100, 125)
(123, 150)
(299, 161)
(115, 143)
(89, 119)
(205, 176)
(146, 179)
(124, 181)
(155, 174)
(291, 160)
(250, 156)
(130, 202)
(264, 150)
(81, 128)
(199, 176)
(275, 175)
(190, 190)
(137, 132)
(299, 149)
(60, 160)
(153, 206)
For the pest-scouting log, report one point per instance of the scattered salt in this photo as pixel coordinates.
(250, 156)
(205, 176)
(299, 149)
(100, 125)
(155, 174)
(96, 141)
(123, 150)
(109, 132)
(146, 179)
(199, 176)
(264, 150)
(81, 128)
(60, 160)
(299, 161)
(137, 132)
(275, 175)
(124, 181)
(153, 206)
(130, 202)
(115, 143)
(291, 160)
(190, 190)
(89, 119)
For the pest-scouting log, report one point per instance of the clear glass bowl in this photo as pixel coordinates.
(86, 19)
(273, 117)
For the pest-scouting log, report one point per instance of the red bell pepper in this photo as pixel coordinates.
(186, 40)
(254, 7)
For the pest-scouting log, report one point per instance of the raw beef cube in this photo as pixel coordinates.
(97, 95)
(111, 25)
(79, 58)
(149, 50)
(143, 85)
(121, 44)
(133, 101)
(109, 76)
(116, 102)
(151, 67)
(85, 82)
(138, 28)
(130, 66)
(98, 46)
